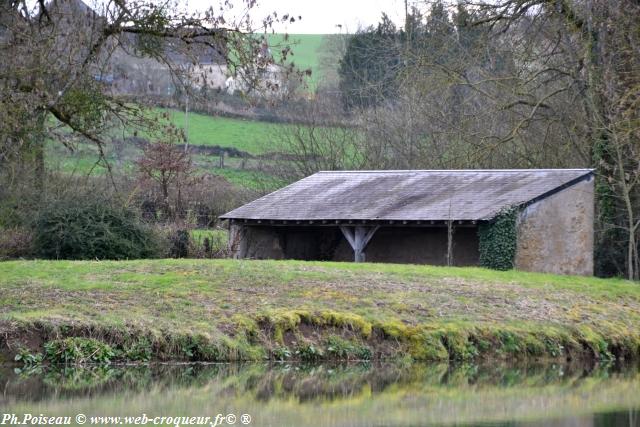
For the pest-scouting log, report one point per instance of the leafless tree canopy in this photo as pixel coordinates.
(506, 84)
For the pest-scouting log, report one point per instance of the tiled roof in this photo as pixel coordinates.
(407, 194)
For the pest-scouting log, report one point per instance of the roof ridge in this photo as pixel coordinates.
(456, 170)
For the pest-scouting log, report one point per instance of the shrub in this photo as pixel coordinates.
(281, 353)
(78, 351)
(308, 352)
(342, 349)
(179, 244)
(15, 242)
(28, 358)
(339, 348)
(88, 228)
(199, 203)
(139, 351)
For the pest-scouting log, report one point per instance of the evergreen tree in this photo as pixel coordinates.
(370, 64)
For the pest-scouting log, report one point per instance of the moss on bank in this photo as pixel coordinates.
(104, 312)
(305, 336)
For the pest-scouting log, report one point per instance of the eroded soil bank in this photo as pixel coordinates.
(226, 310)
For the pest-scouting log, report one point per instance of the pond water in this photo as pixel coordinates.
(329, 395)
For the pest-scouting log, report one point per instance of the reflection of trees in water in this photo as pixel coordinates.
(323, 382)
(630, 417)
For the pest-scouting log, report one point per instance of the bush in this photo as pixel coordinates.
(179, 244)
(199, 203)
(15, 242)
(27, 358)
(309, 353)
(77, 351)
(281, 353)
(85, 228)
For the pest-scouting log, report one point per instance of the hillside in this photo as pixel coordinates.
(249, 136)
(305, 51)
(228, 309)
(252, 137)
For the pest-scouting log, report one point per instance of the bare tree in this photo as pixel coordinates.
(170, 168)
(579, 77)
(320, 138)
(57, 64)
(522, 83)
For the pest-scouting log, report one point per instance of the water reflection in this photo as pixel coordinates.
(339, 395)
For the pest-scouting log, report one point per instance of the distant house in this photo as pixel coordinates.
(422, 217)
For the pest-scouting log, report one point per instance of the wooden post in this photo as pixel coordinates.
(449, 238)
(449, 243)
(358, 237)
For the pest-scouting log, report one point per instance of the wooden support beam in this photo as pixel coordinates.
(450, 231)
(358, 238)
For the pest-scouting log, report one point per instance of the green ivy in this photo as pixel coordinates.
(498, 241)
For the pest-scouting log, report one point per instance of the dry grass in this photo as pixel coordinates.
(417, 305)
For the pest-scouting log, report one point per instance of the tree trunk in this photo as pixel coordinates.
(37, 151)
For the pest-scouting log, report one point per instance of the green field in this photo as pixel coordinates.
(250, 136)
(305, 50)
(253, 137)
(230, 309)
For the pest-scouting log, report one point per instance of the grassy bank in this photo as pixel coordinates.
(227, 309)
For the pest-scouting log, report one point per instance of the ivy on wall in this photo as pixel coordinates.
(498, 241)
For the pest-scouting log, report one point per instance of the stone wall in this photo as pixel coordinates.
(555, 234)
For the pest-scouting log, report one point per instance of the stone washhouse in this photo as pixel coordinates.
(422, 217)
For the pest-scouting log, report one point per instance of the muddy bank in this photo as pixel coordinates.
(307, 336)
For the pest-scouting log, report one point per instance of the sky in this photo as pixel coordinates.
(323, 16)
